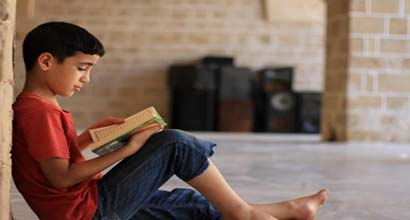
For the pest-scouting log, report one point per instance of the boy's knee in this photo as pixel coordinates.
(185, 139)
(172, 135)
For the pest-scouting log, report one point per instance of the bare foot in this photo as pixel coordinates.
(260, 215)
(305, 208)
(248, 213)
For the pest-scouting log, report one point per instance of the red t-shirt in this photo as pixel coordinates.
(42, 130)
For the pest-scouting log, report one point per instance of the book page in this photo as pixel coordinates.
(110, 131)
(129, 124)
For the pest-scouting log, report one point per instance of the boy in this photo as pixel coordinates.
(58, 183)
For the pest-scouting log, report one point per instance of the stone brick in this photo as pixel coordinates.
(166, 38)
(360, 82)
(365, 102)
(370, 82)
(407, 7)
(355, 82)
(388, 120)
(385, 6)
(198, 39)
(394, 83)
(394, 46)
(366, 62)
(287, 40)
(265, 39)
(358, 5)
(366, 135)
(371, 44)
(367, 25)
(356, 45)
(397, 103)
(220, 14)
(179, 14)
(359, 121)
(222, 39)
(398, 26)
(376, 62)
(354, 120)
(406, 64)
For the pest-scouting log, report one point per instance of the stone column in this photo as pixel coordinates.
(367, 77)
(334, 119)
(7, 27)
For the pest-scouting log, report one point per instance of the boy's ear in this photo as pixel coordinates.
(45, 60)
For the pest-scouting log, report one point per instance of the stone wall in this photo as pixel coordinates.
(375, 76)
(143, 38)
(7, 19)
(379, 85)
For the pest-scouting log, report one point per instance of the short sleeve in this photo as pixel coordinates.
(45, 136)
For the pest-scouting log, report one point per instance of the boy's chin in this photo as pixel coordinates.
(67, 94)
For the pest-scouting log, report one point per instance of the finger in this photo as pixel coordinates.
(111, 121)
(152, 130)
(145, 134)
(115, 120)
(153, 125)
(158, 128)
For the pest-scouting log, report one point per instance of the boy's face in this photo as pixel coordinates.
(68, 77)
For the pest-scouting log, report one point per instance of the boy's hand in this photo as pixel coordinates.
(139, 138)
(107, 122)
(84, 139)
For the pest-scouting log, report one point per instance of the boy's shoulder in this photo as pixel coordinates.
(31, 103)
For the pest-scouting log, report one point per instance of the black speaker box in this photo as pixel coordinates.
(191, 76)
(275, 79)
(215, 62)
(309, 105)
(280, 111)
(274, 101)
(235, 83)
(235, 103)
(193, 109)
(193, 97)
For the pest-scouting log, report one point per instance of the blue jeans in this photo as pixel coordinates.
(129, 191)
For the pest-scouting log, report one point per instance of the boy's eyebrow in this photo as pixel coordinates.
(87, 63)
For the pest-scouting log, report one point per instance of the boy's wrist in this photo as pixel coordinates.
(126, 150)
(84, 139)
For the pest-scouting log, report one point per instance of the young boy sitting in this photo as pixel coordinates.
(58, 183)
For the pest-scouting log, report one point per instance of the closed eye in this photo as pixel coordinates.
(81, 69)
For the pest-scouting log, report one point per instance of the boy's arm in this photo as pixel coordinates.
(84, 139)
(61, 174)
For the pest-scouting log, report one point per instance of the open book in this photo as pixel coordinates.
(110, 138)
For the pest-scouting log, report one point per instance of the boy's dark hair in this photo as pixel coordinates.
(61, 39)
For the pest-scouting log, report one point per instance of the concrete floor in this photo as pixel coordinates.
(366, 181)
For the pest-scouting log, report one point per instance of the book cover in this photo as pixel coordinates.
(113, 137)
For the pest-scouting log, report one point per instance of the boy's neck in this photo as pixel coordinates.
(34, 85)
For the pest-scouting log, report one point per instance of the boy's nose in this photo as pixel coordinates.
(85, 78)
